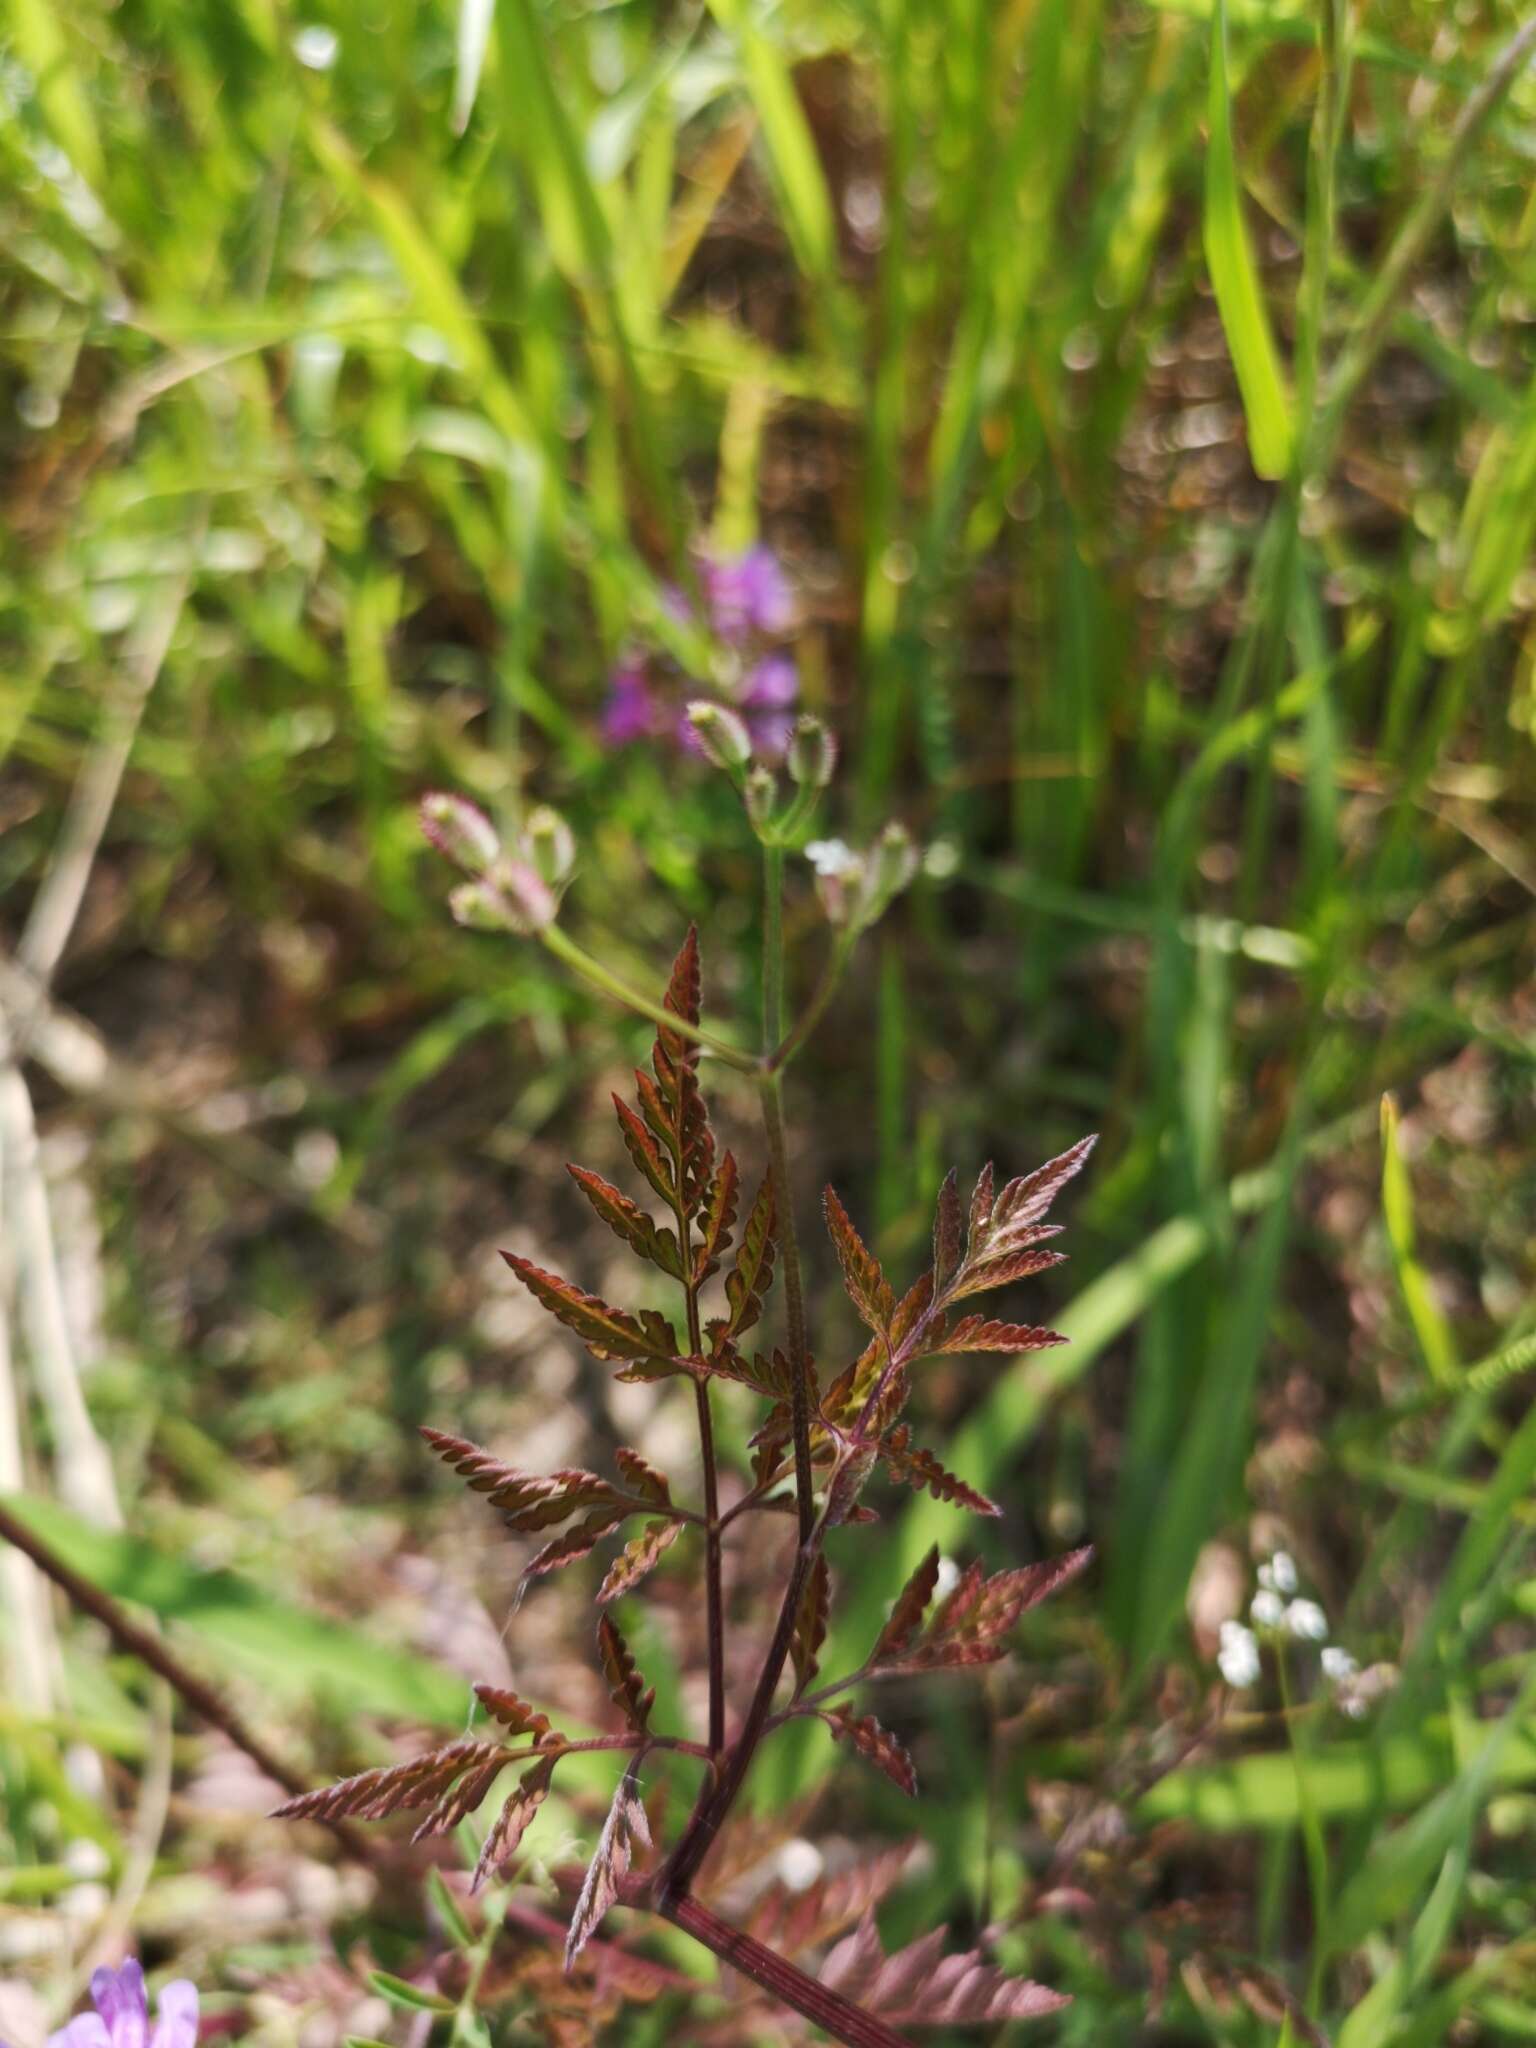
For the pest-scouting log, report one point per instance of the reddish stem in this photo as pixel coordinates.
(772, 1973)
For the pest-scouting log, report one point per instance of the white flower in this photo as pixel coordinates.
(1282, 1569)
(1307, 1621)
(799, 1864)
(948, 1579)
(1337, 1663)
(832, 857)
(1267, 1609)
(1238, 1657)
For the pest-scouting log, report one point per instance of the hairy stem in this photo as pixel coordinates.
(715, 1800)
(825, 2008)
(714, 1593)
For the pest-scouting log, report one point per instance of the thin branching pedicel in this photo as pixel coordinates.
(818, 1445)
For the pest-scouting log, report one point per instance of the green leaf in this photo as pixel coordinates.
(1235, 281)
(1429, 1324)
(398, 1992)
(450, 1911)
(295, 1653)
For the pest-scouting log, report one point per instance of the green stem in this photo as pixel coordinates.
(566, 949)
(773, 947)
(786, 1049)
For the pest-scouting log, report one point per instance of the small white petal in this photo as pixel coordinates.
(1307, 1621)
(1267, 1609)
(1238, 1659)
(831, 856)
(1283, 1572)
(1338, 1663)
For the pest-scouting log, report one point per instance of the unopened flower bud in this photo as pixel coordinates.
(721, 734)
(460, 831)
(892, 862)
(513, 898)
(760, 793)
(812, 753)
(549, 846)
(480, 908)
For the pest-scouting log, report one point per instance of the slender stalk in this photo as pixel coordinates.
(786, 1049)
(714, 1583)
(716, 1800)
(825, 2008)
(773, 947)
(138, 1642)
(581, 962)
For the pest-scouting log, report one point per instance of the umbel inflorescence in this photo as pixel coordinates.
(821, 1440)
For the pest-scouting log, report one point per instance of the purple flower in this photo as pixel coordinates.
(121, 2018)
(768, 698)
(748, 593)
(747, 601)
(630, 713)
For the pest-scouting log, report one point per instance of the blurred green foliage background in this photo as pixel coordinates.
(1146, 416)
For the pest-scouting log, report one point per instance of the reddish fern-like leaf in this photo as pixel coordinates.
(751, 1274)
(922, 1987)
(394, 1788)
(518, 1717)
(650, 1161)
(1008, 1266)
(811, 1624)
(1026, 1200)
(716, 1220)
(630, 1222)
(626, 1824)
(576, 1542)
(458, 1801)
(628, 1689)
(643, 1478)
(981, 1213)
(1004, 1226)
(675, 1107)
(511, 1824)
(793, 1921)
(529, 1500)
(970, 1625)
(946, 1233)
(638, 1557)
(846, 1397)
(876, 1745)
(906, 1616)
(608, 1333)
(868, 1289)
(981, 1333)
(920, 1469)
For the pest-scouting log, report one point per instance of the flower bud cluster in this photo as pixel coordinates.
(507, 889)
(1278, 1610)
